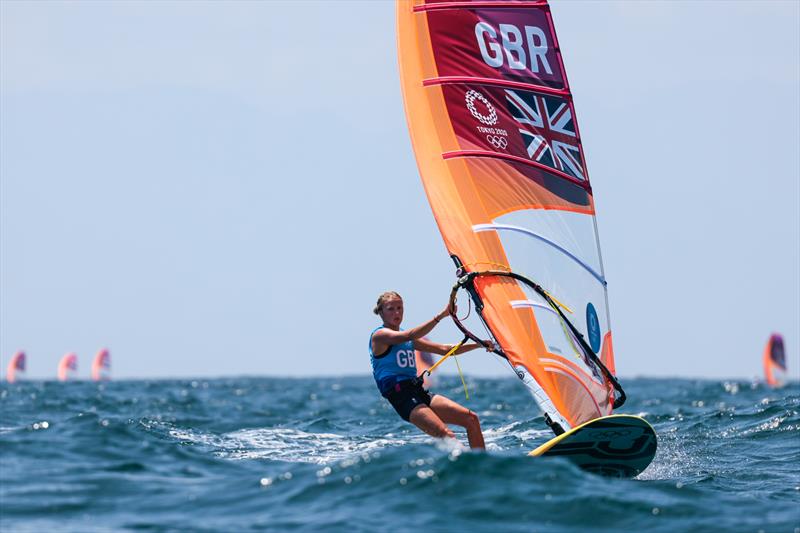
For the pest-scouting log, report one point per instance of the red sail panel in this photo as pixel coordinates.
(528, 127)
(508, 44)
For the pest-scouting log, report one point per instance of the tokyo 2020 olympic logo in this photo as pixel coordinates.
(491, 118)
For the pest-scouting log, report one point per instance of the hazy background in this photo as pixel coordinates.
(212, 188)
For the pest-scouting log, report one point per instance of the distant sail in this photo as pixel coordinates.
(775, 361)
(67, 367)
(101, 366)
(15, 367)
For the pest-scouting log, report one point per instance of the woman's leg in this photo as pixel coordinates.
(425, 419)
(452, 413)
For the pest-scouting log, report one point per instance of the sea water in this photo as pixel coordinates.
(329, 454)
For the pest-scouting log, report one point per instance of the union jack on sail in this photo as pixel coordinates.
(548, 131)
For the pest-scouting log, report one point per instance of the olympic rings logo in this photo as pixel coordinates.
(501, 143)
(491, 118)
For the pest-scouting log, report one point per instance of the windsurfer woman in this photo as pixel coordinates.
(394, 368)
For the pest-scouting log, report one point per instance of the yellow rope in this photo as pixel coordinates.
(559, 303)
(445, 356)
(569, 338)
(464, 383)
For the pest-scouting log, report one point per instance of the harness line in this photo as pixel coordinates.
(452, 352)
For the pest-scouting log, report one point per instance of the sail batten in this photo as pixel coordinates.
(452, 80)
(516, 159)
(445, 4)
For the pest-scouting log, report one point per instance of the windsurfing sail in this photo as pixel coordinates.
(67, 367)
(15, 367)
(101, 366)
(492, 123)
(775, 361)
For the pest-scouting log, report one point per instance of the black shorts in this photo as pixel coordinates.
(406, 395)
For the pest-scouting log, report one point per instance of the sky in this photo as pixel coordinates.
(224, 188)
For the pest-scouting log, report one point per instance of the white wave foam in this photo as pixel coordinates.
(527, 437)
(298, 446)
(672, 459)
(292, 445)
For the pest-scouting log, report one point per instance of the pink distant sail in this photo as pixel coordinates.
(67, 367)
(15, 366)
(775, 361)
(101, 366)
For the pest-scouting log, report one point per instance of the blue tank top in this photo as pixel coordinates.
(398, 364)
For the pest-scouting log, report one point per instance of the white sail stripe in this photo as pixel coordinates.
(495, 227)
(520, 304)
(530, 303)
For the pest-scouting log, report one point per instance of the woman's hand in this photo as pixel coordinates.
(489, 345)
(445, 312)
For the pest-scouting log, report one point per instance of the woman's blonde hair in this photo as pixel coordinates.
(383, 298)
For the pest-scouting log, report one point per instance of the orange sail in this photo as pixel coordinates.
(67, 367)
(493, 127)
(775, 361)
(15, 367)
(101, 366)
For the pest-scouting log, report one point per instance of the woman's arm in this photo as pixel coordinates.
(441, 349)
(385, 336)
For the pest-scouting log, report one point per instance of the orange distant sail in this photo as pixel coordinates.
(775, 361)
(15, 367)
(493, 127)
(67, 367)
(101, 366)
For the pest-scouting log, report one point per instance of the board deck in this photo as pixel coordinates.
(614, 445)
